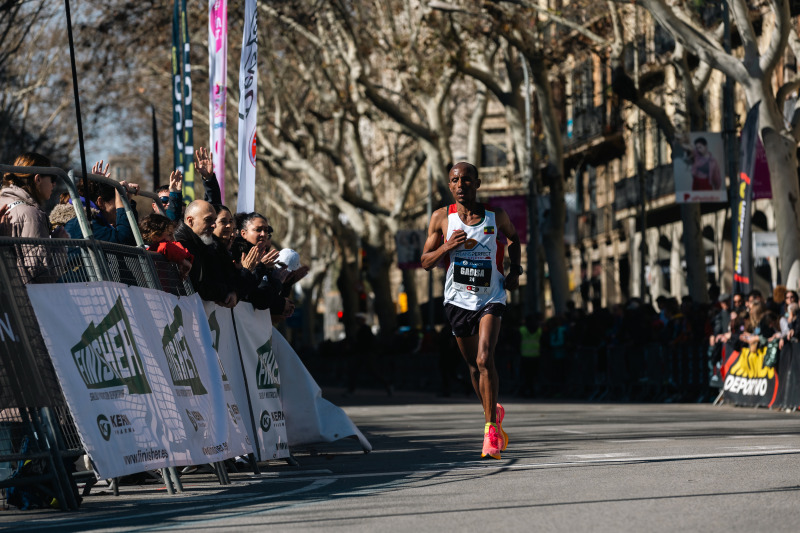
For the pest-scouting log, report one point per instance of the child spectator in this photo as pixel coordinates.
(158, 232)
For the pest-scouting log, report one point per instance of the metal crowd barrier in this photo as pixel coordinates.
(32, 405)
(649, 372)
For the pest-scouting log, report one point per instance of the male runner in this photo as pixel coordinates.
(475, 288)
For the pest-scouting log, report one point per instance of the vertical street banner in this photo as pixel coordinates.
(698, 166)
(409, 244)
(517, 209)
(188, 125)
(248, 110)
(263, 379)
(741, 209)
(762, 187)
(177, 90)
(218, 93)
(140, 376)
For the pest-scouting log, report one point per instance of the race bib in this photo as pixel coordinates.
(472, 273)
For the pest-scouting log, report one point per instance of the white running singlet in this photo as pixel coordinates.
(475, 274)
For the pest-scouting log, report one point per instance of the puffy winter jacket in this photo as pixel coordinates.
(27, 220)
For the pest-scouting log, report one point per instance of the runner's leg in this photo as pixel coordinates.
(469, 350)
(488, 332)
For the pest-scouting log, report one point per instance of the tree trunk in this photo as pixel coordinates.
(694, 253)
(415, 318)
(377, 274)
(782, 160)
(347, 283)
(553, 227)
(555, 249)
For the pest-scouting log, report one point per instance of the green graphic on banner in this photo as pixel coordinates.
(107, 355)
(267, 369)
(213, 325)
(181, 363)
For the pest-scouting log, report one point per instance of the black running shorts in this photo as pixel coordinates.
(464, 322)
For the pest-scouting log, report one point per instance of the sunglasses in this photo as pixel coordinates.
(164, 200)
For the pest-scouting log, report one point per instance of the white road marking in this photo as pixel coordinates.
(762, 447)
(571, 431)
(600, 455)
(762, 436)
(622, 441)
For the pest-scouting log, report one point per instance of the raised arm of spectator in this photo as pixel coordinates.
(173, 210)
(121, 232)
(204, 165)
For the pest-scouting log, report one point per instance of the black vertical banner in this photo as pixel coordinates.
(177, 90)
(742, 198)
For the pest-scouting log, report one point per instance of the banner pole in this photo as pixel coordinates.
(156, 161)
(78, 109)
(256, 447)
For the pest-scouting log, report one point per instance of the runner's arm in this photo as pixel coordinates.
(514, 250)
(434, 249)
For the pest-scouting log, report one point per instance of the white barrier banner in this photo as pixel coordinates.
(310, 418)
(223, 335)
(261, 378)
(140, 375)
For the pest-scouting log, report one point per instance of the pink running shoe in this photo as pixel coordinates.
(500, 414)
(492, 441)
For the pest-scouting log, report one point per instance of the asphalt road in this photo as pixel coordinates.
(568, 467)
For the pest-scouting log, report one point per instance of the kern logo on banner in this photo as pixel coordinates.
(183, 144)
(248, 110)
(742, 198)
(218, 94)
(140, 376)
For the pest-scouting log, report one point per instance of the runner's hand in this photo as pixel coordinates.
(457, 238)
(512, 281)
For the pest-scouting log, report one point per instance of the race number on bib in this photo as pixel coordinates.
(472, 274)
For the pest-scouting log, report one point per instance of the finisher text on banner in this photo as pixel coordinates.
(248, 110)
(140, 375)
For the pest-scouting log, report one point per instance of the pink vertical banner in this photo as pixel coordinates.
(218, 93)
(517, 209)
(762, 188)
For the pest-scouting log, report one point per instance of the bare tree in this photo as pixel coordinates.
(754, 72)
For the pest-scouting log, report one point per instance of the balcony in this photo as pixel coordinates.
(597, 222)
(658, 182)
